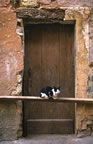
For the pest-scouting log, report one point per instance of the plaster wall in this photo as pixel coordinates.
(11, 66)
(12, 53)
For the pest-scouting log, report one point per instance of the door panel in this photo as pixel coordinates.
(49, 61)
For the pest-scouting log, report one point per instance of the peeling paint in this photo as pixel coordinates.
(11, 65)
(7, 64)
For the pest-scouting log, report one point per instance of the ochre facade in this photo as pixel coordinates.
(12, 58)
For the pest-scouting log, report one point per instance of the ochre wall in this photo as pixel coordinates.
(11, 62)
(11, 66)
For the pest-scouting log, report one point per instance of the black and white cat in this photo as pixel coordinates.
(49, 92)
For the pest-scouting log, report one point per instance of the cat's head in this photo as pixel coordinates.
(56, 91)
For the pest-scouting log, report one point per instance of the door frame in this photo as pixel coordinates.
(69, 15)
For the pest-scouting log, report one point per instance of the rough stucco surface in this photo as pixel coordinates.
(11, 65)
(4, 3)
(91, 38)
(76, 3)
(83, 78)
(63, 3)
(11, 62)
(10, 52)
(10, 120)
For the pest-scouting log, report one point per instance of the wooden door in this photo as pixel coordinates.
(49, 61)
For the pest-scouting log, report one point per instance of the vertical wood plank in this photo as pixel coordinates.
(50, 56)
(33, 59)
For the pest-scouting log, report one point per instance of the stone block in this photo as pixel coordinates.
(44, 1)
(84, 133)
(77, 3)
(10, 120)
(28, 3)
(90, 84)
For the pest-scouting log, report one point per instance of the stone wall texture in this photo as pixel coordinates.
(11, 66)
(11, 61)
(63, 3)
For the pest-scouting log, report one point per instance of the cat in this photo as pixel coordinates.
(49, 92)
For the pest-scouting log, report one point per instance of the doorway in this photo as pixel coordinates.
(49, 61)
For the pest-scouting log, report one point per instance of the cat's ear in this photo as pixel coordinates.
(54, 88)
(59, 87)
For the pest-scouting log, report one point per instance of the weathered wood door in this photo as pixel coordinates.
(49, 61)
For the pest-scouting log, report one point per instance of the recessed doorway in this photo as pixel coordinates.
(49, 61)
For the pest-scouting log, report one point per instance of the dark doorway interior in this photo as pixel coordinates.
(49, 61)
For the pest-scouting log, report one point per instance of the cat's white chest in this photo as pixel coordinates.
(55, 93)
